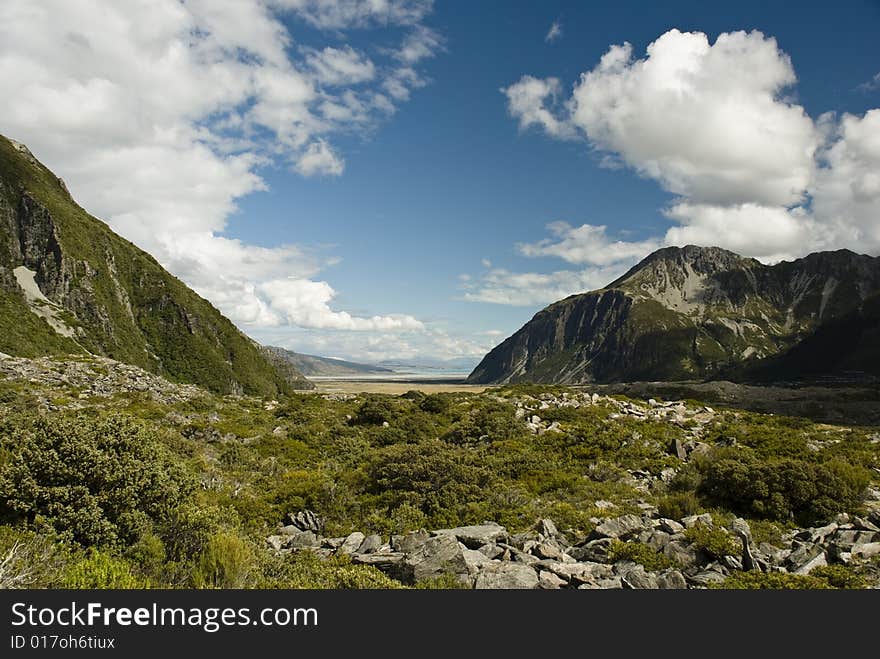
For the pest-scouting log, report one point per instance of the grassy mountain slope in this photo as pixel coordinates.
(117, 299)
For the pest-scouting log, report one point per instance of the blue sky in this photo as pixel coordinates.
(425, 225)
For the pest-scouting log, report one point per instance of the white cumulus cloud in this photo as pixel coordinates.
(160, 114)
(715, 124)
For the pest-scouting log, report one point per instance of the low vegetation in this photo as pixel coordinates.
(121, 491)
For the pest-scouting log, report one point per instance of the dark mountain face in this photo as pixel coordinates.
(700, 312)
(69, 285)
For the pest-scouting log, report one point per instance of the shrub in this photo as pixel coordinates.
(771, 581)
(679, 504)
(783, 489)
(226, 562)
(714, 541)
(100, 569)
(638, 553)
(376, 410)
(304, 569)
(839, 576)
(436, 403)
(97, 481)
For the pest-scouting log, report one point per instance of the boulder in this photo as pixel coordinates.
(657, 540)
(476, 536)
(303, 540)
(277, 542)
(611, 583)
(474, 560)
(547, 528)
(352, 543)
(681, 553)
(707, 577)
(696, 520)
(506, 575)
(388, 562)
(676, 448)
(593, 551)
(410, 542)
(869, 550)
(491, 550)
(670, 526)
(865, 524)
(849, 539)
(371, 543)
(547, 580)
(634, 576)
(619, 527)
(307, 520)
(437, 556)
(548, 550)
(805, 557)
(671, 580)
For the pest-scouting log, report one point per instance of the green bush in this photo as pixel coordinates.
(376, 410)
(784, 489)
(712, 540)
(227, 561)
(100, 569)
(436, 403)
(304, 569)
(771, 581)
(839, 576)
(638, 553)
(676, 505)
(96, 481)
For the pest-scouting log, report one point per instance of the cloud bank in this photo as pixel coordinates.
(160, 115)
(715, 125)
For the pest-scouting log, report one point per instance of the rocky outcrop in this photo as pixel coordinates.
(488, 557)
(107, 297)
(699, 313)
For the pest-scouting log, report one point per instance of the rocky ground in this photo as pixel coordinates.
(93, 377)
(488, 557)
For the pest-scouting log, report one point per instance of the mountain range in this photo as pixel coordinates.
(69, 285)
(314, 366)
(704, 313)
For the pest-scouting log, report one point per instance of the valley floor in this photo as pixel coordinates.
(111, 477)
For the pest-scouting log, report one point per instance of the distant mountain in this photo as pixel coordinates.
(311, 365)
(700, 313)
(69, 285)
(427, 364)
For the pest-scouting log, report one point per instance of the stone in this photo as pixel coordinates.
(817, 561)
(332, 543)
(370, 544)
(303, 540)
(307, 520)
(547, 580)
(389, 562)
(676, 448)
(491, 550)
(410, 542)
(476, 536)
(601, 504)
(595, 550)
(657, 540)
(352, 543)
(849, 539)
(290, 529)
(680, 552)
(671, 526)
(437, 556)
(547, 528)
(619, 527)
(634, 576)
(706, 577)
(611, 583)
(548, 550)
(474, 559)
(869, 550)
(865, 524)
(277, 542)
(582, 572)
(671, 580)
(696, 520)
(506, 576)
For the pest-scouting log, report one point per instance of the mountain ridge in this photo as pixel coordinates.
(686, 313)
